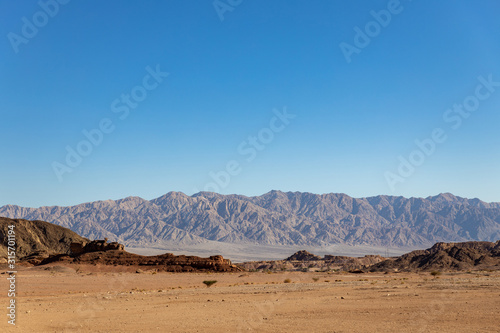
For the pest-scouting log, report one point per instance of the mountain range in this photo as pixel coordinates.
(276, 218)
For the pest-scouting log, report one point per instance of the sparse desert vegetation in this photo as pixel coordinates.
(209, 283)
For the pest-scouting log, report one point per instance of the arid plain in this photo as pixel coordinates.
(86, 298)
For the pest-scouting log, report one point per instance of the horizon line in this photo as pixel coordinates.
(254, 196)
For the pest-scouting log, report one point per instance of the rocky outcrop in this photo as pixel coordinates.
(95, 246)
(167, 262)
(303, 255)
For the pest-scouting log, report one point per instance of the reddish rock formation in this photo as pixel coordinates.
(94, 246)
(162, 263)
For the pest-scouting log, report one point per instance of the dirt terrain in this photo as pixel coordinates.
(67, 284)
(88, 298)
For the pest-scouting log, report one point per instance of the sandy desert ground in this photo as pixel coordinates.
(96, 299)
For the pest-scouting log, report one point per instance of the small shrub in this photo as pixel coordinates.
(315, 279)
(287, 281)
(435, 273)
(209, 283)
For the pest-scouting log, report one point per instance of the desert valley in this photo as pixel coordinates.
(68, 283)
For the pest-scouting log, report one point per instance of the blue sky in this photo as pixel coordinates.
(227, 80)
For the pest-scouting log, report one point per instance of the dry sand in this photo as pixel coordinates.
(95, 299)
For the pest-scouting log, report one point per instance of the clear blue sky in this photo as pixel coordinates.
(353, 120)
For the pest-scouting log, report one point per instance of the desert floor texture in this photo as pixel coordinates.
(97, 299)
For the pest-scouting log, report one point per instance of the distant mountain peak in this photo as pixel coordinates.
(206, 194)
(172, 194)
(128, 199)
(445, 196)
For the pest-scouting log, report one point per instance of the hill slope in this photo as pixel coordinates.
(447, 256)
(37, 237)
(277, 218)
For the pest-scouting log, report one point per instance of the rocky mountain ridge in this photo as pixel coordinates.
(276, 218)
